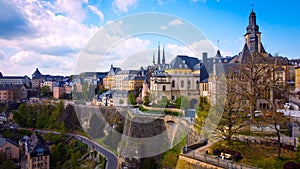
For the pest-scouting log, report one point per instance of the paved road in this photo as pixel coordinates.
(111, 158)
(294, 101)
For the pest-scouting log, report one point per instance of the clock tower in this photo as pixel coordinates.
(253, 36)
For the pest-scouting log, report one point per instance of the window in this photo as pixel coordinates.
(164, 88)
(189, 84)
(173, 98)
(173, 83)
(182, 83)
(197, 84)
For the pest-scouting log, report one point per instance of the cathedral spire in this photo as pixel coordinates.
(153, 58)
(163, 59)
(253, 36)
(158, 54)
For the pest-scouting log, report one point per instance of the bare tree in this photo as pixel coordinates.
(255, 75)
(233, 117)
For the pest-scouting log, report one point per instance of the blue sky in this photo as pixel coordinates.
(49, 34)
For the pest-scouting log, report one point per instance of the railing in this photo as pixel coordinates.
(215, 160)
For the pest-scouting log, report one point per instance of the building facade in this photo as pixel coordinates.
(181, 77)
(109, 81)
(38, 154)
(297, 79)
(9, 149)
(15, 80)
(13, 92)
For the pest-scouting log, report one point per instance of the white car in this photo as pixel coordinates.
(258, 114)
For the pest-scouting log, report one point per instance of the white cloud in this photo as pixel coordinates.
(2, 55)
(124, 53)
(59, 37)
(73, 8)
(195, 49)
(26, 61)
(175, 22)
(163, 28)
(96, 11)
(123, 5)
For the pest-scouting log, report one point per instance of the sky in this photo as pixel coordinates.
(52, 35)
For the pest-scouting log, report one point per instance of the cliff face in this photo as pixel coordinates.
(144, 137)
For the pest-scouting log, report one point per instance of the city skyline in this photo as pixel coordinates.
(49, 35)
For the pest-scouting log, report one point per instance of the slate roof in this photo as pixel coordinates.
(3, 141)
(37, 144)
(120, 93)
(11, 86)
(128, 72)
(184, 62)
(244, 55)
(203, 73)
(36, 74)
(135, 78)
(14, 77)
(114, 70)
(60, 84)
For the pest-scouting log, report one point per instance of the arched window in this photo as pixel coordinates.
(182, 84)
(189, 84)
(197, 84)
(173, 83)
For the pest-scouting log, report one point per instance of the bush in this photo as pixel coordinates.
(141, 108)
(216, 152)
(172, 113)
(291, 165)
(236, 156)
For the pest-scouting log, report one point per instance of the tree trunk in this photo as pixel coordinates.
(278, 140)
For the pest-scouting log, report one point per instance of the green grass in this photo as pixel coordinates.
(170, 158)
(258, 134)
(167, 112)
(259, 155)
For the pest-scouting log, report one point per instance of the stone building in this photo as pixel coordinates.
(9, 149)
(38, 154)
(13, 92)
(181, 77)
(15, 80)
(297, 79)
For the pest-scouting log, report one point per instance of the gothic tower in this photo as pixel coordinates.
(253, 36)
(158, 54)
(164, 58)
(153, 59)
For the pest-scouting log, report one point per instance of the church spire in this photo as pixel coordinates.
(153, 58)
(158, 54)
(253, 36)
(163, 59)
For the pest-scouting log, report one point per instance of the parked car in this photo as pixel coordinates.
(258, 114)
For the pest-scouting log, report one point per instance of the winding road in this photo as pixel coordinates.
(111, 158)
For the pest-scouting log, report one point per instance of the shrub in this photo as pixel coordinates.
(141, 108)
(291, 165)
(236, 156)
(172, 113)
(216, 152)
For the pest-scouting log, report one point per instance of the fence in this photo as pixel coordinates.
(215, 160)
